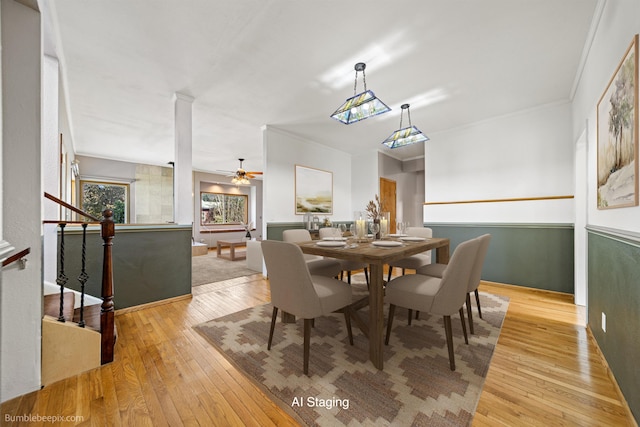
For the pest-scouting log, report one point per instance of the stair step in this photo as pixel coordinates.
(52, 305)
(91, 316)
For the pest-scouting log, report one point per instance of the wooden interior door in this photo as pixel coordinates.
(388, 199)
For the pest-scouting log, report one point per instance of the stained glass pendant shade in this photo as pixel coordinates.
(405, 136)
(362, 105)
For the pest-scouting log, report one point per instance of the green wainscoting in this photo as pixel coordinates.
(275, 229)
(614, 289)
(534, 255)
(150, 263)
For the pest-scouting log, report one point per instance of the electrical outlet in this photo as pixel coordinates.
(604, 322)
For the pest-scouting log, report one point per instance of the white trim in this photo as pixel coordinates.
(5, 249)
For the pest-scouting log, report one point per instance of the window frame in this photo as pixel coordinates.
(224, 224)
(127, 195)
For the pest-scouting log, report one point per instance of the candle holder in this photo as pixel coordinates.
(385, 224)
(360, 222)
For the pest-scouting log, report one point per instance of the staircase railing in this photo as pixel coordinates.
(107, 313)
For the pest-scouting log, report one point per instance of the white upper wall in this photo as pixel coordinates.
(615, 30)
(527, 154)
(282, 152)
(21, 290)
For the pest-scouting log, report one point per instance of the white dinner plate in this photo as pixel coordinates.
(413, 239)
(330, 243)
(340, 239)
(397, 235)
(386, 243)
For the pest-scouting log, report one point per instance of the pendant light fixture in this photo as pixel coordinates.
(405, 136)
(362, 105)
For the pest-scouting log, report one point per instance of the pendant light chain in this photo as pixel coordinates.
(364, 80)
(360, 66)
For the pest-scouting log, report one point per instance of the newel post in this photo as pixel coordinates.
(107, 320)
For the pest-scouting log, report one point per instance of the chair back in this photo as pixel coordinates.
(425, 232)
(329, 232)
(476, 270)
(291, 286)
(299, 235)
(455, 279)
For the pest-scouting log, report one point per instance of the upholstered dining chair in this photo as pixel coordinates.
(297, 292)
(414, 261)
(437, 270)
(348, 266)
(318, 266)
(443, 296)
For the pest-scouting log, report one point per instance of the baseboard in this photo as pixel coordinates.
(625, 405)
(152, 304)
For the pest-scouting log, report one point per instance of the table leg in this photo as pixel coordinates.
(442, 255)
(232, 252)
(376, 314)
(219, 249)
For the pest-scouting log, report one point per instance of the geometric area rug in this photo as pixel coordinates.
(416, 386)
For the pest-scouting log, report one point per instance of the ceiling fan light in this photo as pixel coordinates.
(240, 177)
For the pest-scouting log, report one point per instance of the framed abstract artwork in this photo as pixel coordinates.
(617, 133)
(313, 190)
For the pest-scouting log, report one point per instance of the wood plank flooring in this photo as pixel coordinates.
(546, 370)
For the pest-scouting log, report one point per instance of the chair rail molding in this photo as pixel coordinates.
(624, 236)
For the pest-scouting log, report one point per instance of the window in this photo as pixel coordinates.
(96, 196)
(221, 208)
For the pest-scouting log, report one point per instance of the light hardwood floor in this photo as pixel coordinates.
(545, 371)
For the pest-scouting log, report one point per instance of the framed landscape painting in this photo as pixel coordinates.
(617, 132)
(313, 190)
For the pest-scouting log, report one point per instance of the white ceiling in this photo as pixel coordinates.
(289, 64)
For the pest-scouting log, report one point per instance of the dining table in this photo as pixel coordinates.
(377, 255)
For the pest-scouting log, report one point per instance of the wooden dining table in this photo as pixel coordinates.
(377, 257)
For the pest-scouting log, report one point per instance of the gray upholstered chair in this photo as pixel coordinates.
(318, 266)
(414, 261)
(296, 292)
(348, 266)
(443, 296)
(437, 270)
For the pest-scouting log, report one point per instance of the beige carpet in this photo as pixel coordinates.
(209, 269)
(416, 386)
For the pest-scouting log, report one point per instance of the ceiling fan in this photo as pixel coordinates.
(241, 177)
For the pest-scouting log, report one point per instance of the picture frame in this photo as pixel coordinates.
(617, 135)
(313, 191)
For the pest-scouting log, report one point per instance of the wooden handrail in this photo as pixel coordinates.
(71, 207)
(107, 232)
(15, 257)
(57, 221)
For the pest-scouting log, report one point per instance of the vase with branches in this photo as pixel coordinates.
(374, 209)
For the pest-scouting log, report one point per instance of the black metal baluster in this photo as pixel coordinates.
(62, 279)
(83, 274)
